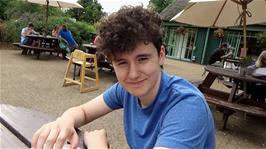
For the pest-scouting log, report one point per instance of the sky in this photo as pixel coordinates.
(110, 6)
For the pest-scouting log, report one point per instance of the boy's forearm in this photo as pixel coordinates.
(74, 116)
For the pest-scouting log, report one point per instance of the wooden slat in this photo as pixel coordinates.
(9, 140)
(16, 44)
(196, 83)
(215, 93)
(254, 110)
(36, 48)
(24, 122)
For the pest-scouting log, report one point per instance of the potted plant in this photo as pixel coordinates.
(181, 30)
(244, 63)
(261, 42)
(219, 33)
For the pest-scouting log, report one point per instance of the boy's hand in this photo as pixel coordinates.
(55, 134)
(96, 139)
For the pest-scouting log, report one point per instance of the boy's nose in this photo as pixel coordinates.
(133, 71)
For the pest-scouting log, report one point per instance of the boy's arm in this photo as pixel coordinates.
(34, 32)
(24, 32)
(92, 110)
(55, 134)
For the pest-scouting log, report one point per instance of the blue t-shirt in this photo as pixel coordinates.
(67, 35)
(178, 118)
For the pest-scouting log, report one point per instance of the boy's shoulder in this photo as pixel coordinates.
(178, 85)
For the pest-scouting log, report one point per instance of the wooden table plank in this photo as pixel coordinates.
(24, 122)
(9, 140)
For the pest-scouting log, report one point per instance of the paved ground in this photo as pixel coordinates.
(37, 84)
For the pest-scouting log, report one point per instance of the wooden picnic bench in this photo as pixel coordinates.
(37, 50)
(19, 124)
(234, 100)
(41, 44)
(16, 44)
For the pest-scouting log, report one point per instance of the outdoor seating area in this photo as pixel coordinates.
(42, 44)
(177, 74)
(235, 100)
(244, 130)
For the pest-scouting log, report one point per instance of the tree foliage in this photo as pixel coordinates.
(3, 4)
(16, 14)
(159, 5)
(91, 13)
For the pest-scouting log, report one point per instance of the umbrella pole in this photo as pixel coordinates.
(244, 53)
(46, 16)
(244, 4)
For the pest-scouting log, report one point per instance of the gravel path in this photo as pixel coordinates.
(37, 84)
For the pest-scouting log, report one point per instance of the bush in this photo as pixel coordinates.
(82, 31)
(10, 30)
(11, 27)
(261, 38)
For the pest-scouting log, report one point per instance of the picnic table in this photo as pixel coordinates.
(234, 100)
(42, 44)
(102, 60)
(19, 124)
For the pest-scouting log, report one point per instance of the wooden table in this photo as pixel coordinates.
(232, 101)
(42, 44)
(92, 49)
(102, 60)
(19, 124)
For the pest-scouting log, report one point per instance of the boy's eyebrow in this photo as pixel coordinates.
(145, 55)
(140, 55)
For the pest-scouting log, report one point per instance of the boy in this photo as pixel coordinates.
(160, 111)
(224, 51)
(27, 31)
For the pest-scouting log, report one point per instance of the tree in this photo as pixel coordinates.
(159, 5)
(91, 13)
(3, 4)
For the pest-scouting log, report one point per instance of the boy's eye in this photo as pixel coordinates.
(121, 63)
(143, 59)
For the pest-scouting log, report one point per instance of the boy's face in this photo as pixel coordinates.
(30, 28)
(139, 72)
(263, 59)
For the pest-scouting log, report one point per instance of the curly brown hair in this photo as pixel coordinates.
(122, 31)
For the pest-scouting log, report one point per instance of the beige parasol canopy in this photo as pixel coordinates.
(55, 3)
(223, 13)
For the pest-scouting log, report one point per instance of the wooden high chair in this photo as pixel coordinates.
(87, 62)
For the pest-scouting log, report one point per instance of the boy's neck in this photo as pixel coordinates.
(146, 100)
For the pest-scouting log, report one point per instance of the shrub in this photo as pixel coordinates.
(82, 31)
(10, 30)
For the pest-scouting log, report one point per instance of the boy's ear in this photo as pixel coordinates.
(162, 55)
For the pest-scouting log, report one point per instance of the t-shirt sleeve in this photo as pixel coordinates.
(113, 96)
(185, 125)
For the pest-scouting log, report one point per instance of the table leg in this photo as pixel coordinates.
(225, 119)
(74, 75)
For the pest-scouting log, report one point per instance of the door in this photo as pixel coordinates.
(181, 45)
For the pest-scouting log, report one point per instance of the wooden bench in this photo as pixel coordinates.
(21, 123)
(37, 50)
(196, 83)
(220, 99)
(16, 44)
(249, 108)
